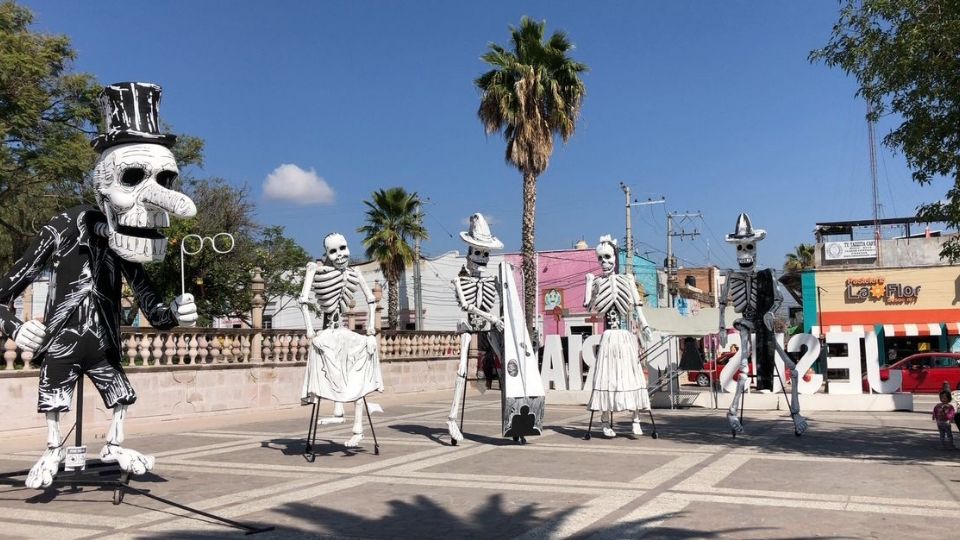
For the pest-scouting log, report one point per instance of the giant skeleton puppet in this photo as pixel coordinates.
(522, 395)
(756, 297)
(618, 380)
(343, 366)
(89, 251)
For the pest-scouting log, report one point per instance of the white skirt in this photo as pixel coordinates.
(342, 366)
(618, 380)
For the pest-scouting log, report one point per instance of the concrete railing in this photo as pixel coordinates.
(146, 347)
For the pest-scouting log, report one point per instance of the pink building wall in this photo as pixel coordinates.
(565, 271)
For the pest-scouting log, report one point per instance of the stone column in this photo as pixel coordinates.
(256, 344)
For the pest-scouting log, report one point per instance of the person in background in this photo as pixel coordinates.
(943, 413)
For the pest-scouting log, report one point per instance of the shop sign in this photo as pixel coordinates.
(876, 289)
(851, 249)
(552, 299)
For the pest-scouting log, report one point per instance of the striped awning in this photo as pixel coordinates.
(890, 330)
(953, 328)
(834, 328)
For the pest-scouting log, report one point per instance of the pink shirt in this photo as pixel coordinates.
(943, 412)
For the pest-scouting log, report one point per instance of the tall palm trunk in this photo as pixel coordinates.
(393, 302)
(527, 250)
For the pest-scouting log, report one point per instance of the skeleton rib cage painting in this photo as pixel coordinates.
(618, 380)
(89, 250)
(342, 366)
(522, 393)
(756, 297)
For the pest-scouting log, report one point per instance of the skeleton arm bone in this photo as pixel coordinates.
(371, 305)
(638, 313)
(588, 292)
(304, 299)
(723, 308)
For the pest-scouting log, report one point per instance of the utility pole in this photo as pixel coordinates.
(673, 286)
(417, 292)
(629, 203)
(417, 283)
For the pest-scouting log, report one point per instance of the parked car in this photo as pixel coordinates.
(703, 377)
(924, 373)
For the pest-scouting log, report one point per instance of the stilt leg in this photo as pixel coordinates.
(655, 435)
(373, 432)
(308, 450)
(459, 393)
(588, 436)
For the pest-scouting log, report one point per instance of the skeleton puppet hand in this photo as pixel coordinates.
(30, 335)
(768, 321)
(184, 310)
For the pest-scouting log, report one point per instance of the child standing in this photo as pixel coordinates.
(943, 413)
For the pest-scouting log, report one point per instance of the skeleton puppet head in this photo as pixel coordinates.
(746, 239)
(133, 176)
(607, 254)
(479, 243)
(337, 252)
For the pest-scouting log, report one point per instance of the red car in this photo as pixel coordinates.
(925, 373)
(702, 378)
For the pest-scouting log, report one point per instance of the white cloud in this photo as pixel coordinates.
(293, 184)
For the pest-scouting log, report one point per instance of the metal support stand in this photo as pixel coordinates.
(310, 448)
(588, 436)
(91, 477)
(655, 435)
(309, 451)
(376, 445)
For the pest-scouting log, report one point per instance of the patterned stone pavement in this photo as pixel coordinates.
(853, 475)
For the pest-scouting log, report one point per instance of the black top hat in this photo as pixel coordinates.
(131, 115)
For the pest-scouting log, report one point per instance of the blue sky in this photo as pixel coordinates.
(711, 105)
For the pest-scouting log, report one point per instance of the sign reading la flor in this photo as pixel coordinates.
(875, 289)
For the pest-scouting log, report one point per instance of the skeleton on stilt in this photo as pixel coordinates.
(522, 394)
(91, 249)
(618, 380)
(756, 297)
(343, 366)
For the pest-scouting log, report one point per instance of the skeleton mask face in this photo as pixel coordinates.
(338, 254)
(606, 257)
(477, 258)
(131, 183)
(747, 255)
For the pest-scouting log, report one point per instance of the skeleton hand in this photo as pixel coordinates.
(43, 472)
(768, 321)
(128, 460)
(30, 335)
(647, 334)
(184, 310)
(311, 333)
(498, 324)
(371, 331)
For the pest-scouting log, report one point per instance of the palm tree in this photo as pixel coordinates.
(801, 259)
(394, 218)
(532, 93)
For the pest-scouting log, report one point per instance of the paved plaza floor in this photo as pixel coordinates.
(853, 475)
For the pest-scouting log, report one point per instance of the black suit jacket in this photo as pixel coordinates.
(84, 268)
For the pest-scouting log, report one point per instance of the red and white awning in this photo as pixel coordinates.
(847, 328)
(923, 329)
(953, 328)
(890, 330)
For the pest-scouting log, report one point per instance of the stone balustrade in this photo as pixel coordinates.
(147, 347)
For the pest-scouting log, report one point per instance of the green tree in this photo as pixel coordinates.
(394, 218)
(47, 115)
(905, 55)
(533, 93)
(801, 259)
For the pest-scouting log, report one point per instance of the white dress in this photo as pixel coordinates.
(618, 380)
(342, 366)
